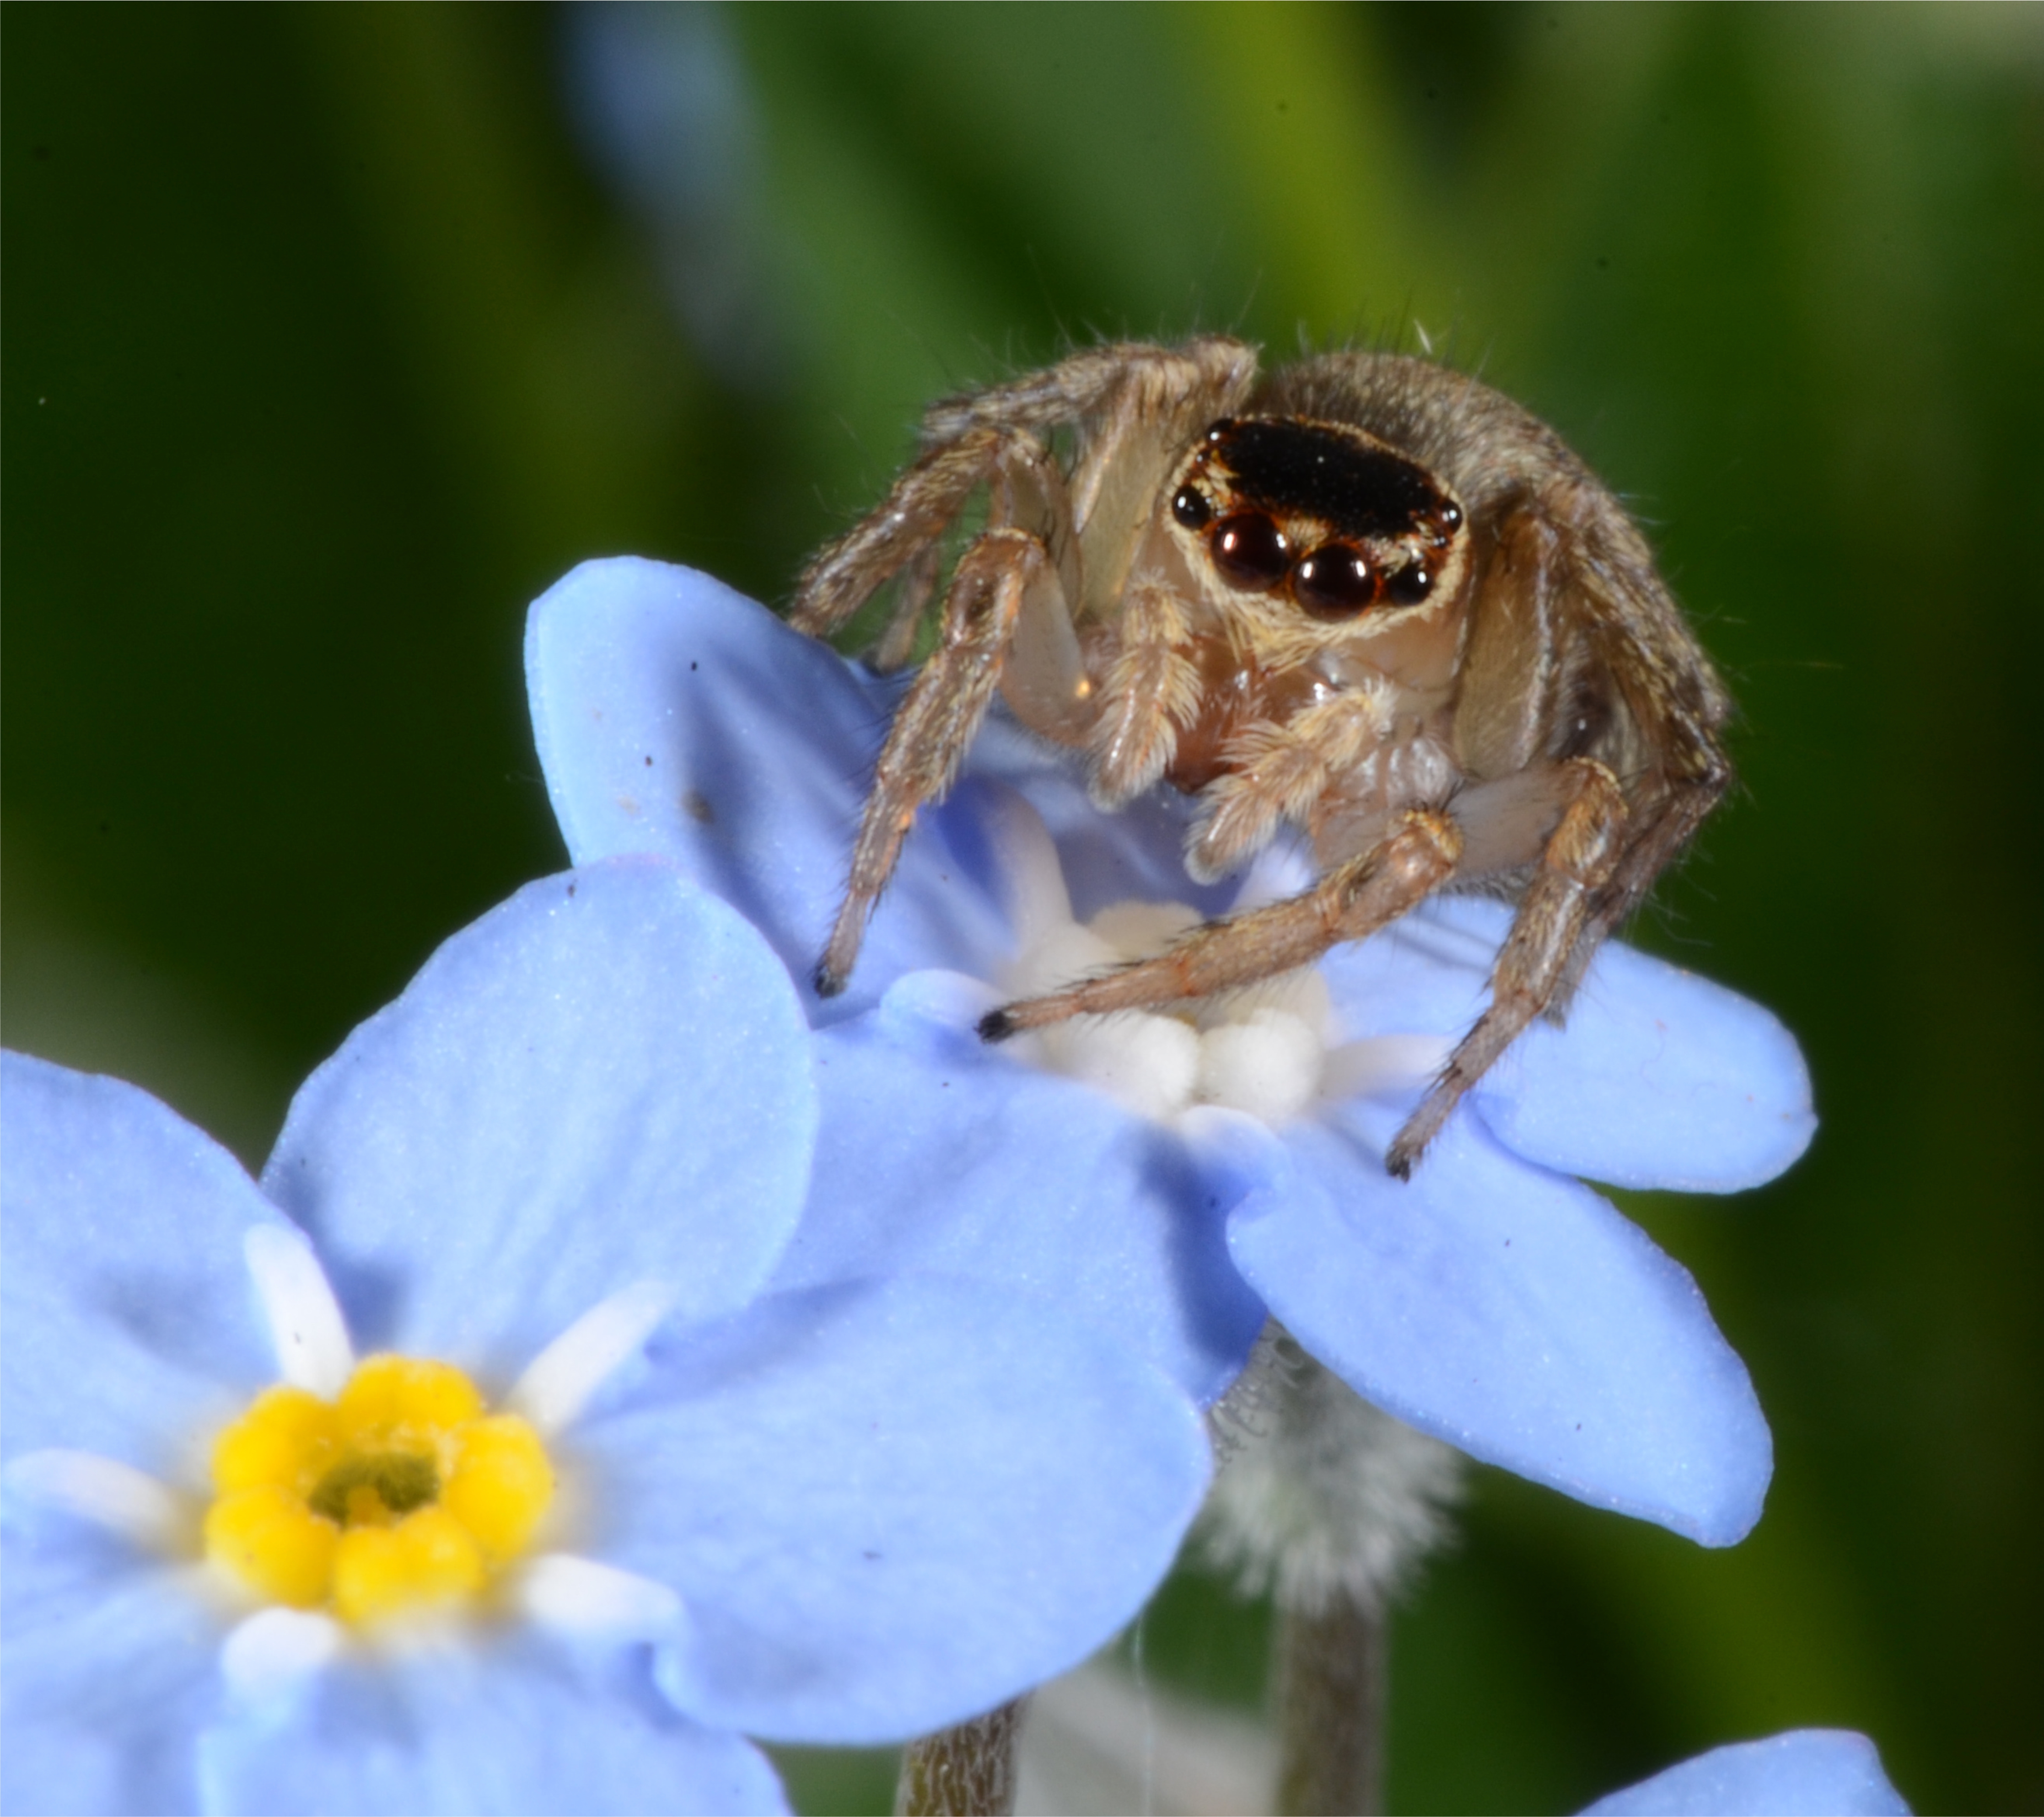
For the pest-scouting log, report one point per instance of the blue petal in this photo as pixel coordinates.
(939, 1154)
(674, 715)
(889, 1506)
(605, 1080)
(1135, 854)
(1513, 1314)
(1807, 1773)
(110, 1669)
(1428, 973)
(127, 1319)
(507, 1727)
(1660, 1078)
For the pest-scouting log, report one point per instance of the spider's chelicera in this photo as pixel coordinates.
(1362, 595)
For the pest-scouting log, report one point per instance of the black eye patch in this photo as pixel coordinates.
(1288, 467)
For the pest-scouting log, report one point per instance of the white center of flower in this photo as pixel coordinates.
(1262, 1050)
(1274, 1049)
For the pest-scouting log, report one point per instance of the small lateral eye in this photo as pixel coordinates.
(1191, 509)
(1250, 550)
(1334, 582)
(1451, 514)
(1409, 585)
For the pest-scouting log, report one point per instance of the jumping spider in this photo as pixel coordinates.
(1361, 594)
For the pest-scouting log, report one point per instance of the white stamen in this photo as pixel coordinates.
(105, 1492)
(583, 1597)
(559, 1382)
(1037, 900)
(306, 1326)
(1303, 993)
(1388, 1063)
(1058, 955)
(1137, 930)
(1270, 1066)
(1270, 1049)
(1147, 1063)
(275, 1650)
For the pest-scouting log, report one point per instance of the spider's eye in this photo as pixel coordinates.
(1191, 509)
(1250, 550)
(1409, 585)
(1334, 582)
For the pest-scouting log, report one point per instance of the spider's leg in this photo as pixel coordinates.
(1581, 858)
(1659, 833)
(896, 646)
(1416, 856)
(1085, 382)
(919, 508)
(1639, 638)
(945, 704)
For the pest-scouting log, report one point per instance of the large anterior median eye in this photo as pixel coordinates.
(1334, 582)
(1250, 550)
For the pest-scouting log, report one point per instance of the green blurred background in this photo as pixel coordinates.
(333, 336)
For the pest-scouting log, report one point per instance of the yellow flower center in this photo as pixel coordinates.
(402, 1494)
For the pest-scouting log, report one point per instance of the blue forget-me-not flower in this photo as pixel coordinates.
(1806, 1773)
(1174, 1178)
(463, 1463)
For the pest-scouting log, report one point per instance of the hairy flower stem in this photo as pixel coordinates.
(967, 1771)
(1331, 1505)
(1330, 1670)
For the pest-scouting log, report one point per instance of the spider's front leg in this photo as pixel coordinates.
(1416, 856)
(1556, 916)
(911, 521)
(1006, 574)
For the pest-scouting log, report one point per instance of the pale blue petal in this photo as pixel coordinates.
(1659, 1078)
(508, 1727)
(127, 1319)
(1135, 854)
(605, 1080)
(888, 1506)
(937, 1153)
(1807, 1773)
(674, 715)
(1427, 973)
(110, 1668)
(1513, 1313)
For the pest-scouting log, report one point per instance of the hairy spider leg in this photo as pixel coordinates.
(920, 506)
(1020, 568)
(1553, 919)
(994, 583)
(1416, 856)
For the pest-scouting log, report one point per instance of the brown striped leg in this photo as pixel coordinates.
(1580, 855)
(1414, 858)
(945, 704)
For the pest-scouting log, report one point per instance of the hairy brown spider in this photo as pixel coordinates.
(1361, 594)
